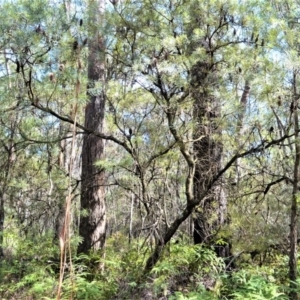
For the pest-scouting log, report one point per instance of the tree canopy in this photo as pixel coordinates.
(149, 149)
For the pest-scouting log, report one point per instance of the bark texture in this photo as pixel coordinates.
(294, 206)
(93, 222)
(210, 215)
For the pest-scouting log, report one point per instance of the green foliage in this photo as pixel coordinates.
(184, 272)
(29, 267)
(253, 286)
(187, 267)
(194, 295)
(78, 287)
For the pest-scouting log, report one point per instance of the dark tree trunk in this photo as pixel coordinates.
(2, 216)
(294, 205)
(93, 222)
(210, 215)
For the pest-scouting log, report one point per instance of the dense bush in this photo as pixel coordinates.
(184, 272)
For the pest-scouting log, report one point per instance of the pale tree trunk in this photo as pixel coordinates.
(241, 128)
(65, 159)
(64, 156)
(294, 206)
(92, 225)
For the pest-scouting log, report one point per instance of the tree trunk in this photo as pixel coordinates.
(93, 222)
(241, 128)
(294, 207)
(2, 216)
(210, 215)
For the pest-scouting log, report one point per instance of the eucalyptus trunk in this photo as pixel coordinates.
(93, 220)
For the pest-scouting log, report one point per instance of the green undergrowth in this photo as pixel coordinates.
(29, 271)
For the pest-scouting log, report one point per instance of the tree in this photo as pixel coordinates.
(187, 142)
(25, 197)
(294, 205)
(92, 226)
(200, 48)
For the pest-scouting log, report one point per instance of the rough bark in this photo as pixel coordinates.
(210, 215)
(93, 222)
(294, 206)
